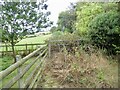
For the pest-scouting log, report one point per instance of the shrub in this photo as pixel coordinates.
(64, 36)
(59, 39)
(105, 31)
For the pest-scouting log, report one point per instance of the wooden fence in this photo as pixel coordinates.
(32, 79)
(34, 75)
(20, 47)
(64, 43)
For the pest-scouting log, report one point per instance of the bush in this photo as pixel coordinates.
(105, 31)
(59, 39)
(64, 36)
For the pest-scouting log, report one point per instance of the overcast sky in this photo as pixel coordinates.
(56, 6)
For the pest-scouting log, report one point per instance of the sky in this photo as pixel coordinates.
(57, 6)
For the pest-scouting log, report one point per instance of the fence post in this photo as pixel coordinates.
(32, 47)
(18, 57)
(49, 49)
(6, 47)
(26, 48)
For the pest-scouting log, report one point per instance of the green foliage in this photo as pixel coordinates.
(53, 29)
(59, 39)
(85, 14)
(21, 18)
(105, 31)
(66, 20)
(100, 75)
(56, 34)
(64, 36)
(88, 11)
(6, 62)
(98, 22)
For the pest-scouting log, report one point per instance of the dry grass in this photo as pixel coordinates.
(80, 70)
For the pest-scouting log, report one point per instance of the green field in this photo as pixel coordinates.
(6, 61)
(31, 40)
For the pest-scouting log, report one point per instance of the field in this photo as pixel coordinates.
(6, 61)
(31, 40)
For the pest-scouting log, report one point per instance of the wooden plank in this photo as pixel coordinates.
(36, 83)
(18, 57)
(26, 48)
(7, 71)
(31, 45)
(27, 82)
(37, 75)
(17, 77)
(10, 51)
(23, 44)
(49, 49)
(40, 74)
(6, 47)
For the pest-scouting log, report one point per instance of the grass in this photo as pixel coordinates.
(80, 70)
(14, 73)
(5, 62)
(38, 39)
(33, 40)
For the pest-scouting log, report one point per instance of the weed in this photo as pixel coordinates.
(82, 69)
(100, 75)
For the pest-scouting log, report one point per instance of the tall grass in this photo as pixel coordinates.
(81, 70)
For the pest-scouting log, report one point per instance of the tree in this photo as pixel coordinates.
(21, 18)
(53, 29)
(66, 19)
(85, 12)
(105, 31)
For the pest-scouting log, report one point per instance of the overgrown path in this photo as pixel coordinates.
(79, 71)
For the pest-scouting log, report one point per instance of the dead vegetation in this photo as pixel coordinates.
(80, 70)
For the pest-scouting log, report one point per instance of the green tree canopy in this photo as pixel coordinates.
(67, 19)
(21, 18)
(105, 31)
(86, 12)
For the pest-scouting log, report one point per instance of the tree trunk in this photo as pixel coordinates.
(13, 51)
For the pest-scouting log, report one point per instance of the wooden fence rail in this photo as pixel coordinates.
(27, 84)
(7, 48)
(22, 44)
(32, 79)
